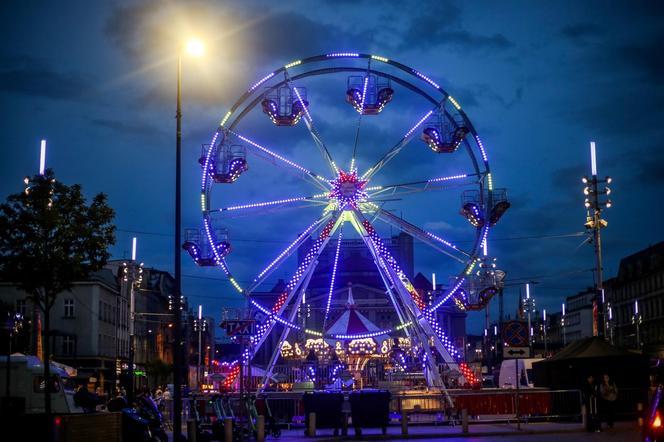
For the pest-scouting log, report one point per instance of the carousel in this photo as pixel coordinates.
(356, 362)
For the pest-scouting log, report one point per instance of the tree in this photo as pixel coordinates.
(49, 238)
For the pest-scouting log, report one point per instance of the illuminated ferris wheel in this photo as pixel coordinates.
(315, 133)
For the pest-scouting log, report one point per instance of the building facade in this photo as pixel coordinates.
(636, 299)
(89, 325)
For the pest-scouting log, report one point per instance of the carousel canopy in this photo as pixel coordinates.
(352, 322)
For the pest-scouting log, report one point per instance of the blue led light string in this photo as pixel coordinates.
(333, 277)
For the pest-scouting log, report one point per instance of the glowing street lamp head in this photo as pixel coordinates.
(195, 47)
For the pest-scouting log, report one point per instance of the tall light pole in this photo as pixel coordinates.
(595, 223)
(609, 311)
(636, 320)
(546, 349)
(195, 48)
(132, 276)
(562, 325)
(200, 326)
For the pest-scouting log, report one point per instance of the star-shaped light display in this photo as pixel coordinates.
(347, 188)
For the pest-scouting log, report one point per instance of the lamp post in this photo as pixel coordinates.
(546, 349)
(195, 48)
(529, 303)
(595, 223)
(609, 311)
(562, 324)
(132, 276)
(200, 326)
(636, 320)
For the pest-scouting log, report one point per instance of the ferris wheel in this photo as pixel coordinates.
(319, 126)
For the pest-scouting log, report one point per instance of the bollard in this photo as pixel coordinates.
(404, 422)
(639, 412)
(192, 430)
(464, 421)
(311, 431)
(260, 428)
(228, 429)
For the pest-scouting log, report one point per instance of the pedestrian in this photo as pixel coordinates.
(609, 393)
(590, 393)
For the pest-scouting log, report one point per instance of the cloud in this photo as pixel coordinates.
(581, 33)
(124, 127)
(643, 56)
(439, 24)
(27, 75)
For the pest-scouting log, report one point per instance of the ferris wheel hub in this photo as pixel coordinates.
(348, 189)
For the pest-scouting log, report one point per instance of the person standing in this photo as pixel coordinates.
(590, 393)
(609, 393)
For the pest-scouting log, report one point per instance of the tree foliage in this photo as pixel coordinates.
(50, 237)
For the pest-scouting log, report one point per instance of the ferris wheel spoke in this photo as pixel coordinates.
(298, 281)
(275, 158)
(441, 183)
(333, 277)
(288, 251)
(319, 198)
(427, 238)
(268, 210)
(315, 135)
(359, 118)
(394, 151)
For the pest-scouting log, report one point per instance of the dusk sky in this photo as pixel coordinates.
(539, 80)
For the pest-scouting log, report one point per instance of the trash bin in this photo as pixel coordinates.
(370, 409)
(327, 406)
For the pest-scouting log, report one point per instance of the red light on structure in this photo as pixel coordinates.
(657, 422)
(57, 420)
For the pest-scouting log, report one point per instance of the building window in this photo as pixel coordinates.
(69, 308)
(20, 307)
(68, 345)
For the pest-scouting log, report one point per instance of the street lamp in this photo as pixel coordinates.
(562, 324)
(200, 326)
(546, 350)
(529, 304)
(132, 276)
(195, 48)
(636, 320)
(595, 223)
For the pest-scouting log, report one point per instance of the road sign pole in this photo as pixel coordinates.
(518, 382)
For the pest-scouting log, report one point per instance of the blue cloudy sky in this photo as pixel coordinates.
(538, 80)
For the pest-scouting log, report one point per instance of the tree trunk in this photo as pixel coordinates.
(47, 367)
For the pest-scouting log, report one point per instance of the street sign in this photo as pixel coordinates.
(515, 334)
(516, 352)
(244, 327)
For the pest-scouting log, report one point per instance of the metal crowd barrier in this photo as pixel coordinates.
(431, 407)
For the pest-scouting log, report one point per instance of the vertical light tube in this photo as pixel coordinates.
(42, 157)
(636, 307)
(133, 249)
(527, 290)
(433, 278)
(593, 158)
(563, 309)
(495, 330)
(484, 247)
(544, 315)
(200, 312)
